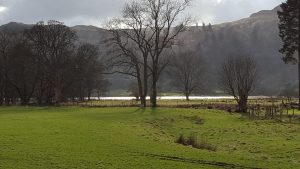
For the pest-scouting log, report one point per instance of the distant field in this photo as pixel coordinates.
(72, 137)
(182, 102)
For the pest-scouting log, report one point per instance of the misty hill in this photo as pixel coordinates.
(256, 36)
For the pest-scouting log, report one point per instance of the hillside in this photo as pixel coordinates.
(256, 36)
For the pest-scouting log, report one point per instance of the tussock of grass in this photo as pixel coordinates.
(193, 141)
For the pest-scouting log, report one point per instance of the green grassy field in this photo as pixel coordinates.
(72, 137)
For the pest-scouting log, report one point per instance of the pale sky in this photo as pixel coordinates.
(96, 12)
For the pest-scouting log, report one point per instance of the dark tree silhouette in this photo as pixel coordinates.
(289, 27)
(88, 70)
(186, 69)
(23, 73)
(5, 46)
(54, 43)
(238, 79)
(146, 29)
(131, 35)
(45, 64)
(163, 18)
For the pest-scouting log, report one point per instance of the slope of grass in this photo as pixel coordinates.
(134, 138)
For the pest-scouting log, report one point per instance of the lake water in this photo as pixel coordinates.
(179, 98)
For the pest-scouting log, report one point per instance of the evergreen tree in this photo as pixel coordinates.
(290, 33)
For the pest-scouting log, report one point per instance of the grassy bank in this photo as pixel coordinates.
(72, 137)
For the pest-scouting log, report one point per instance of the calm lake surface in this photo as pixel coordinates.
(179, 98)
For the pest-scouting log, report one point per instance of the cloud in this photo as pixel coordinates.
(2, 8)
(95, 12)
(219, 11)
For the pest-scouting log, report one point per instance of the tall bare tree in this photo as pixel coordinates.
(88, 70)
(23, 73)
(238, 78)
(163, 20)
(5, 46)
(54, 43)
(145, 30)
(130, 36)
(186, 69)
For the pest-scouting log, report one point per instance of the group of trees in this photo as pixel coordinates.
(142, 40)
(142, 46)
(239, 74)
(47, 65)
(149, 32)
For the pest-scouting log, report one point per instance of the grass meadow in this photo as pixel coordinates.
(77, 137)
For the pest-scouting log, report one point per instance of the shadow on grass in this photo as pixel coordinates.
(194, 161)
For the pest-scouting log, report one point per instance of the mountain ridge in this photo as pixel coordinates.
(256, 35)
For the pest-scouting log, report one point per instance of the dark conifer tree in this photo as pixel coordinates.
(290, 33)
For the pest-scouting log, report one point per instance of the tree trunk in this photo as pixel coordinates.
(89, 94)
(1, 96)
(243, 104)
(154, 93)
(143, 101)
(6, 92)
(140, 87)
(40, 93)
(187, 96)
(58, 88)
(145, 82)
(58, 93)
(154, 83)
(186, 92)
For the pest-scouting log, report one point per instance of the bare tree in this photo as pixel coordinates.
(238, 79)
(53, 43)
(130, 37)
(163, 21)
(5, 46)
(148, 27)
(23, 73)
(88, 70)
(186, 70)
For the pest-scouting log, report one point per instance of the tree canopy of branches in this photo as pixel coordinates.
(146, 29)
(45, 64)
(238, 78)
(289, 26)
(88, 70)
(53, 43)
(186, 69)
(5, 45)
(22, 73)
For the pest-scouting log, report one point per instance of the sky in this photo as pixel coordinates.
(97, 12)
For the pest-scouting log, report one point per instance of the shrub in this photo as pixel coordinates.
(181, 140)
(199, 121)
(193, 141)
